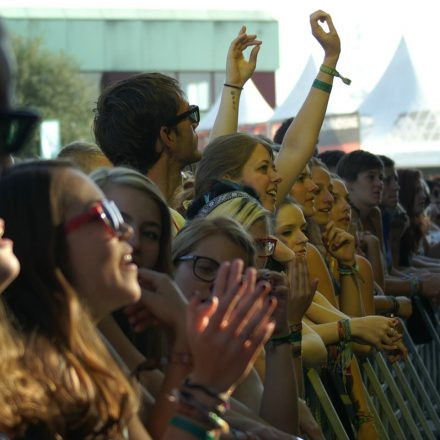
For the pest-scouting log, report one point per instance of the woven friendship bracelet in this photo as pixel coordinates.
(321, 85)
(334, 72)
(191, 428)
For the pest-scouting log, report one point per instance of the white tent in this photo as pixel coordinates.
(397, 92)
(253, 109)
(296, 97)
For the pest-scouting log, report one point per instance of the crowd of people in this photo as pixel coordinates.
(137, 304)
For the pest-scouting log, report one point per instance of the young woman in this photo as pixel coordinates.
(77, 243)
(248, 160)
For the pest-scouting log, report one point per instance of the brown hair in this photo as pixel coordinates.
(225, 158)
(90, 392)
(129, 115)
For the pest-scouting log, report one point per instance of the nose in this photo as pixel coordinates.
(303, 238)
(275, 177)
(329, 197)
(311, 185)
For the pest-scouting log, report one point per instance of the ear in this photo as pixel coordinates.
(167, 139)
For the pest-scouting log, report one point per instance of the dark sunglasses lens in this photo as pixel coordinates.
(194, 116)
(16, 129)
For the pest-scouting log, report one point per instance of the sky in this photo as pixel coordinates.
(369, 31)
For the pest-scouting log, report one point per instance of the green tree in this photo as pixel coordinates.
(51, 83)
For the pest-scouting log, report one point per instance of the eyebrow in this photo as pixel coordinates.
(151, 223)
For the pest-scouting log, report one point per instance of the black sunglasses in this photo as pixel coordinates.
(16, 127)
(193, 114)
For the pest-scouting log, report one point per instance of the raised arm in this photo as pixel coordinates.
(301, 137)
(238, 71)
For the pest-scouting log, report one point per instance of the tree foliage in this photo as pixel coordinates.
(51, 83)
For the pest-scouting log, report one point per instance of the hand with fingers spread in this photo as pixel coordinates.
(238, 69)
(378, 331)
(227, 332)
(302, 290)
(340, 244)
(162, 302)
(329, 41)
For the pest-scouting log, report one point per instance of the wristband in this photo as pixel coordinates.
(334, 72)
(233, 87)
(294, 338)
(344, 330)
(415, 286)
(348, 270)
(321, 85)
(191, 428)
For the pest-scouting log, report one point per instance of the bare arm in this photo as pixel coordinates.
(238, 71)
(301, 137)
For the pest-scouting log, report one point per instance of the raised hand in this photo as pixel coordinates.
(227, 332)
(340, 244)
(238, 69)
(162, 302)
(328, 40)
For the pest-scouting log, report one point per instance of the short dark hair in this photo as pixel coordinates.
(129, 115)
(357, 162)
(331, 158)
(387, 162)
(279, 134)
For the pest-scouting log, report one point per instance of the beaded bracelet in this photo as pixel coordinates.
(333, 72)
(321, 85)
(233, 87)
(191, 428)
(348, 270)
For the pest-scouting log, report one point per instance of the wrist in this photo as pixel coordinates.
(238, 87)
(331, 60)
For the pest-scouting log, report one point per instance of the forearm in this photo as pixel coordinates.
(279, 405)
(300, 140)
(314, 353)
(226, 121)
(174, 376)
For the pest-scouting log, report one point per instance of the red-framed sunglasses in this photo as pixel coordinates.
(105, 211)
(265, 246)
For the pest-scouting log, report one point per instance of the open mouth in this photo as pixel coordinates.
(272, 193)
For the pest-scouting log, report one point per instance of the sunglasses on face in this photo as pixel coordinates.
(204, 268)
(193, 114)
(106, 212)
(265, 246)
(16, 127)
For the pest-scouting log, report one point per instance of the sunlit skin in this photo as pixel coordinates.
(290, 228)
(100, 264)
(187, 139)
(323, 195)
(390, 193)
(303, 191)
(260, 174)
(142, 213)
(341, 209)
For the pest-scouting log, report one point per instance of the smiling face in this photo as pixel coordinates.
(142, 213)
(260, 174)
(303, 191)
(366, 190)
(99, 263)
(323, 195)
(290, 228)
(341, 210)
(390, 193)
(216, 247)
